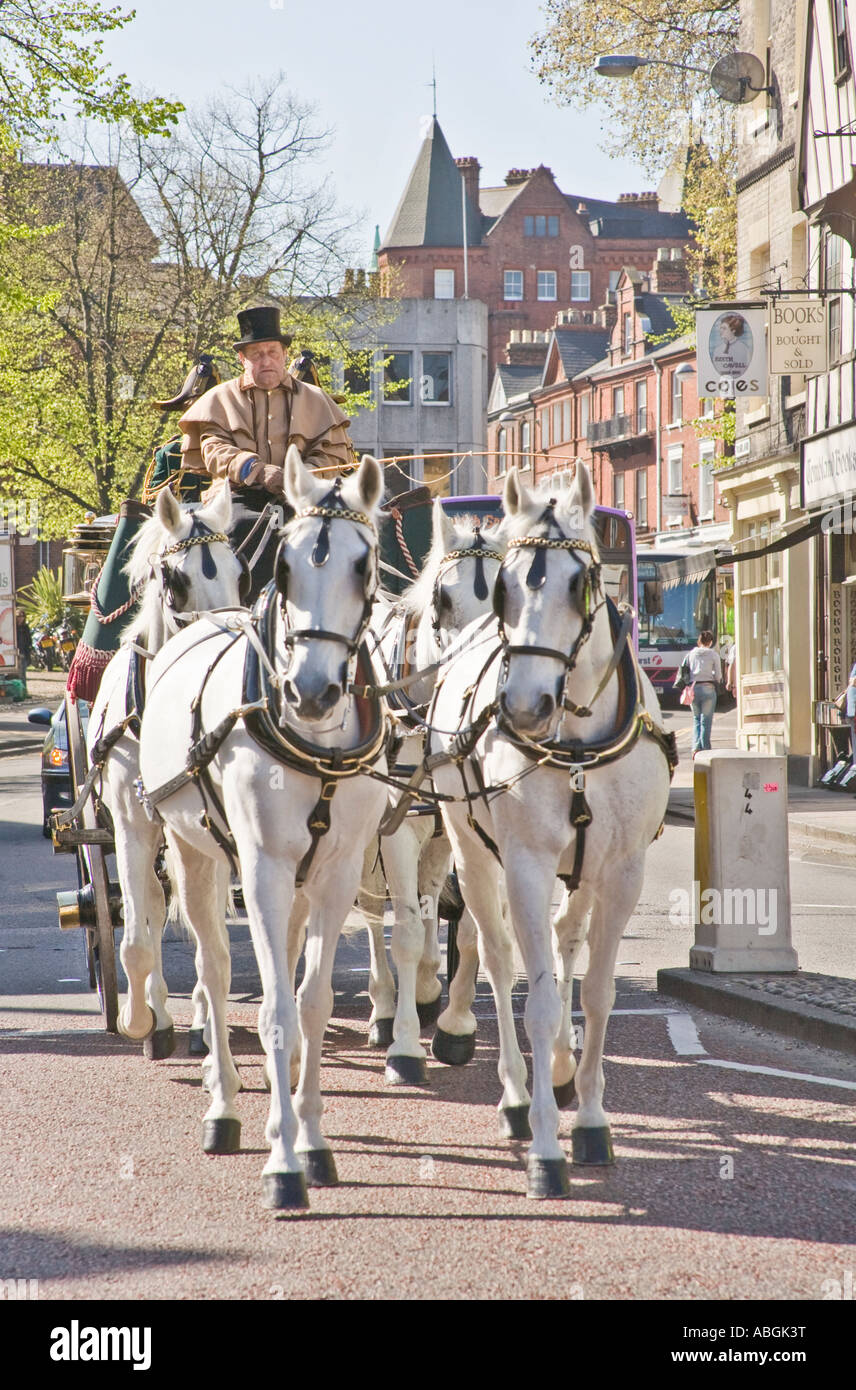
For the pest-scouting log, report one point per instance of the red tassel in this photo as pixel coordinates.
(85, 672)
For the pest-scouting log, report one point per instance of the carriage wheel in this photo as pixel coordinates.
(92, 874)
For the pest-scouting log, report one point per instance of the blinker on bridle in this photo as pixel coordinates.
(199, 535)
(477, 551)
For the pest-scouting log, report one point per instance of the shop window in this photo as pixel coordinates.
(761, 602)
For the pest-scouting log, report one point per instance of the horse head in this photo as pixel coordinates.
(183, 563)
(457, 580)
(546, 598)
(326, 576)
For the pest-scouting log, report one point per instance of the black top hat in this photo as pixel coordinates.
(261, 325)
(198, 380)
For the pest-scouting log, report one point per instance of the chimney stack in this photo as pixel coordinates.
(669, 274)
(470, 168)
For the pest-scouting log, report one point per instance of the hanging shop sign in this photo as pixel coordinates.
(829, 466)
(732, 350)
(797, 336)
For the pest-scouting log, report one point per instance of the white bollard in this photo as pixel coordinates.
(741, 893)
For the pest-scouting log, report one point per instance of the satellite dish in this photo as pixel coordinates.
(738, 77)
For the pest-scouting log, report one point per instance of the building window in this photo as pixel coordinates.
(501, 451)
(397, 471)
(628, 332)
(540, 226)
(545, 429)
(581, 285)
(584, 414)
(356, 374)
(705, 480)
(435, 384)
(705, 406)
(641, 406)
(641, 499)
(566, 419)
(398, 378)
(546, 284)
(676, 470)
(618, 400)
(614, 277)
(761, 603)
(526, 444)
(840, 39)
(677, 399)
(513, 284)
(618, 491)
(557, 424)
(444, 284)
(437, 472)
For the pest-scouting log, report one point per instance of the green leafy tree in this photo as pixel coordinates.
(661, 114)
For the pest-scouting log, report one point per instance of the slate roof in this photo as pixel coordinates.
(578, 350)
(429, 213)
(519, 379)
(629, 219)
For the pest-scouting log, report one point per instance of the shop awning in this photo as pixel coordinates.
(803, 533)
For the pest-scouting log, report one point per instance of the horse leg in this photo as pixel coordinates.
(454, 1040)
(434, 864)
(530, 885)
(480, 887)
(405, 1060)
(592, 1142)
(202, 888)
(568, 937)
(137, 842)
(269, 897)
(314, 1006)
(370, 900)
(296, 940)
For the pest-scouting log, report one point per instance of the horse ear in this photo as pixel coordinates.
(298, 481)
(168, 512)
(511, 492)
(369, 482)
(442, 530)
(581, 495)
(218, 513)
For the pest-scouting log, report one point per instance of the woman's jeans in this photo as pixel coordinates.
(704, 703)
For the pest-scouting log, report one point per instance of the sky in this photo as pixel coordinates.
(368, 70)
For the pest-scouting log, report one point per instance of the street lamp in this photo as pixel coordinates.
(737, 77)
(686, 369)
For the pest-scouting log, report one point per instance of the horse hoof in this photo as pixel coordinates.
(405, 1071)
(221, 1136)
(320, 1166)
(455, 1049)
(565, 1094)
(136, 1037)
(159, 1044)
(514, 1122)
(196, 1044)
(430, 1012)
(380, 1033)
(592, 1145)
(284, 1191)
(547, 1177)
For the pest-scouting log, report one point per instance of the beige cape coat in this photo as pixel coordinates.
(235, 422)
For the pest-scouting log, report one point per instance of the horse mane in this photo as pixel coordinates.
(148, 541)
(416, 598)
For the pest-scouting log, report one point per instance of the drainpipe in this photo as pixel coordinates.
(464, 225)
(658, 453)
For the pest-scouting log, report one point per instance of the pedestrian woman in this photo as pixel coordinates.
(705, 669)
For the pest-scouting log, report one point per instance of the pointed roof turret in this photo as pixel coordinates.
(429, 213)
(375, 248)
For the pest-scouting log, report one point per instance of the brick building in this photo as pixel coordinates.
(524, 249)
(621, 402)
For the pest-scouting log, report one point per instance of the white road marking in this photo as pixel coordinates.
(683, 1036)
(774, 1071)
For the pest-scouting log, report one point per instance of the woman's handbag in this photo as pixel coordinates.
(682, 679)
(840, 701)
(687, 694)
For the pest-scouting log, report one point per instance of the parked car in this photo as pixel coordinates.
(56, 778)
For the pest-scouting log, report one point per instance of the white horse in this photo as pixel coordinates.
(570, 739)
(296, 805)
(204, 574)
(454, 589)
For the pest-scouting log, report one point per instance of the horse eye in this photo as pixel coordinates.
(361, 565)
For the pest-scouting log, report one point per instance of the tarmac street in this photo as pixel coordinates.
(735, 1175)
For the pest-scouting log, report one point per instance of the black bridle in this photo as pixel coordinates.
(331, 508)
(477, 551)
(585, 590)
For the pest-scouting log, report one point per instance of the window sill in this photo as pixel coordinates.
(443, 404)
(397, 402)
